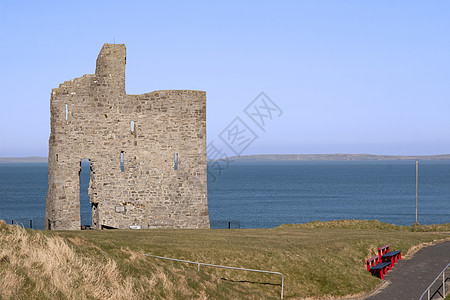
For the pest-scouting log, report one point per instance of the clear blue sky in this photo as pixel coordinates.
(350, 76)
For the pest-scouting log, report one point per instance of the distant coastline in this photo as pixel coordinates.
(28, 159)
(333, 157)
(277, 157)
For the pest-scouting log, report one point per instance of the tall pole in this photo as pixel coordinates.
(417, 181)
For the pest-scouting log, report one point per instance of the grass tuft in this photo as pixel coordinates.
(372, 225)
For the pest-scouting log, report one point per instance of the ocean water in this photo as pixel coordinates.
(274, 193)
(264, 195)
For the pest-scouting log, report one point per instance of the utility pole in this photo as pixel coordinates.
(417, 181)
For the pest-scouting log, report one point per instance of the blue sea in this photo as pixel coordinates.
(264, 195)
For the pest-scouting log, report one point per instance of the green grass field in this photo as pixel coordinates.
(319, 260)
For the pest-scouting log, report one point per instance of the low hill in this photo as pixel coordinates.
(278, 157)
(333, 157)
(318, 260)
(28, 159)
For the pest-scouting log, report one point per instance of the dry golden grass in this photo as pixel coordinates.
(51, 268)
(41, 265)
(319, 261)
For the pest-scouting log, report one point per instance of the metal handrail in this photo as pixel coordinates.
(219, 266)
(443, 284)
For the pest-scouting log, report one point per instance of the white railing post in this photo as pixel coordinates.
(427, 291)
(443, 284)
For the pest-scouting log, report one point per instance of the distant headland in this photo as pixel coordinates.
(333, 157)
(278, 157)
(28, 159)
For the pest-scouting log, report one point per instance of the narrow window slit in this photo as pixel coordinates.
(121, 162)
(67, 111)
(175, 166)
(57, 158)
(132, 127)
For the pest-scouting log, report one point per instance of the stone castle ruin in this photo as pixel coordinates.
(147, 152)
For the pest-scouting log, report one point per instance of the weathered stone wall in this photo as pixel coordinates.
(160, 135)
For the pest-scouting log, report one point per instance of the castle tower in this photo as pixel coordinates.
(147, 152)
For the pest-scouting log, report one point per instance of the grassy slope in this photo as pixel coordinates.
(318, 260)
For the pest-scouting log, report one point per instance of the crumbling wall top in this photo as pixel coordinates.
(111, 61)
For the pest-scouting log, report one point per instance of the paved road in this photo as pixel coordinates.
(409, 278)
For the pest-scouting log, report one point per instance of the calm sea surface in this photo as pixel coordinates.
(261, 195)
